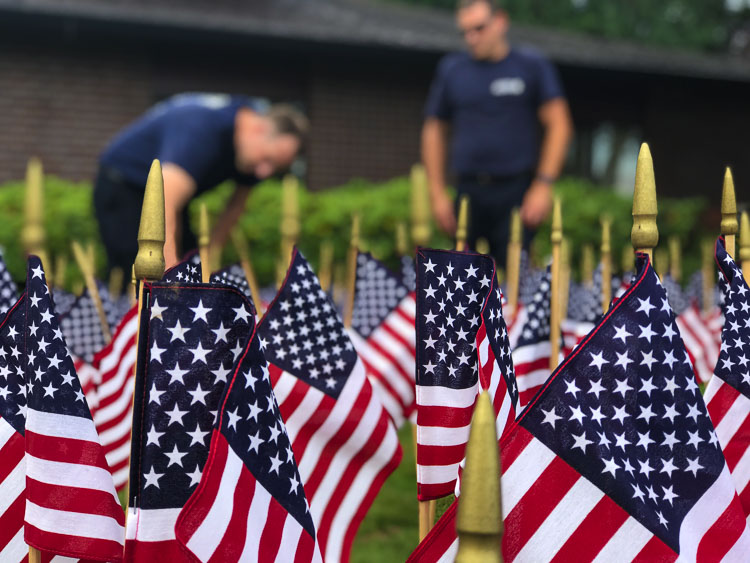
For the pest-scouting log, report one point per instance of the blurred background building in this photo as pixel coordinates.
(72, 72)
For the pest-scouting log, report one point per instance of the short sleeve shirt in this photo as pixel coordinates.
(193, 131)
(492, 108)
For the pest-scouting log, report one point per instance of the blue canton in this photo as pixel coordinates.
(408, 273)
(378, 292)
(497, 335)
(625, 411)
(302, 333)
(234, 276)
(536, 328)
(12, 363)
(8, 289)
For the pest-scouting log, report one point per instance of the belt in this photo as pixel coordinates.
(485, 179)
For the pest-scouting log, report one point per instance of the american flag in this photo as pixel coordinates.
(250, 504)
(196, 334)
(700, 340)
(114, 368)
(408, 273)
(728, 392)
(233, 275)
(189, 270)
(71, 504)
(383, 335)
(616, 459)
(532, 350)
(584, 310)
(461, 345)
(342, 437)
(8, 289)
(63, 301)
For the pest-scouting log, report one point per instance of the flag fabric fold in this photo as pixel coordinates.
(616, 458)
(342, 437)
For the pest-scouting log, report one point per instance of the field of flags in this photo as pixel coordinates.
(600, 420)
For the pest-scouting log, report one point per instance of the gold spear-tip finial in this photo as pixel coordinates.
(149, 262)
(745, 242)
(479, 521)
(556, 234)
(204, 243)
(462, 224)
(729, 225)
(516, 228)
(644, 235)
(33, 235)
(421, 213)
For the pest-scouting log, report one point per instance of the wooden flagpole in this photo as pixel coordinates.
(241, 246)
(513, 261)
(204, 243)
(587, 265)
(556, 270)
(290, 225)
(564, 278)
(728, 212)
(149, 262)
(675, 259)
(116, 277)
(87, 269)
(421, 214)
(745, 244)
(644, 234)
(61, 266)
(33, 234)
(606, 265)
(707, 268)
(479, 520)
(325, 272)
(661, 262)
(351, 272)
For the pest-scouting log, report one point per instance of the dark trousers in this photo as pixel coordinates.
(117, 205)
(491, 201)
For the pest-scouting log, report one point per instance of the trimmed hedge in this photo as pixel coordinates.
(327, 215)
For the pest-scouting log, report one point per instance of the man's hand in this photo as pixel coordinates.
(537, 204)
(442, 209)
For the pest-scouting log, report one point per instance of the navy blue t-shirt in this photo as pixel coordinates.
(492, 107)
(193, 131)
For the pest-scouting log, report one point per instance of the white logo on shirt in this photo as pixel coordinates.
(507, 87)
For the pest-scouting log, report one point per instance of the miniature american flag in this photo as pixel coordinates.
(461, 344)
(196, 334)
(8, 289)
(250, 504)
(233, 275)
(342, 437)
(728, 392)
(616, 459)
(71, 504)
(383, 335)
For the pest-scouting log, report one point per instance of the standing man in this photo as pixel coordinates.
(510, 125)
(201, 140)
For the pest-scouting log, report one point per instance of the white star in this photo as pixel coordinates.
(175, 456)
(577, 414)
(294, 484)
(221, 373)
(596, 414)
(571, 387)
(645, 306)
(669, 332)
(622, 387)
(429, 367)
(596, 388)
(233, 418)
(667, 467)
(637, 492)
(648, 359)
(200, 353)
(35, 300)
(647, 386)
(693, 412)
(197, 436)
(646, 413)
(176, 374)
(471, 272)
(620, 441)
(694, 439)
(254, 412)
(646, 332)
(430, 292)
(46, 317)
(152, 436)
(645, 467)
(598, 361)
(623, 360)
(662, 520)
(622, 333)
(550, 416)
(430, 317)
(156, 352)
(255, 442)
(154, 395)
(275, 464)
(200, 312)
(670, 412)
(178, 331)
(581, 442)
(644, 440)
(430, 342)
(152, 478)
(241, 313)
(49, 391)
(175, 415)
(199, 395)
(195, 476)
(693, 466)
(670, 440)
(603, 440)
(429, 266)
(221, 333)
(610, 466)
(157, 310)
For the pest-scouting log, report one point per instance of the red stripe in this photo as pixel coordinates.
(314, 419)
(305, 548)
(12, 520)
(444, 416)
(435, 491)
(73, 546)
(440, 455)
(272, 531)
(721, 402)
(74, 499)
(274, 373)
(336, 441)
(539, 363)
(525, 397)
(739, 443)
(723, 534)
(438, 540)
(11, 455)
(402, 371)
(407, 344)
(538, 502)
(512, 448)
(235, 534)
(655, 550)
(593, 533)
(66, 450)
(745, 499)
(385, 384)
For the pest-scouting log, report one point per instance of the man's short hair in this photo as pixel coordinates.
(288, 120)
(494, 5)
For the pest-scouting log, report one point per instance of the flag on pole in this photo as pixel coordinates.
(342, 437)
(616, 459)
(728, 392)
(250, 504)
(192, 336)
(461, 345)
(384, 337)
(233, 275)
(71, 505)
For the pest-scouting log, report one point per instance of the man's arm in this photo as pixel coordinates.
(434, 135)
(229, 217)
(554, 116)
(179, 188)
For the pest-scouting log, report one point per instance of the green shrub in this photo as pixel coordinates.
(327, 215)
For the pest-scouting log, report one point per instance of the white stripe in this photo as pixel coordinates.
(741, 473)
(524, 472)
(384, 366)
(12, 487)
(625, 543)
(115, 456)
(341, 461)
(74, 523)
(6, 432)
(404, 327)
(283, 387)
(334, 420)
(502, 416)
(409, 306)
(438, 396)
(16, 549)
(123, 428)
(61, 426)
(213, 528)
(562, 522)
(440, 436)
(357, 490)
(740, 550)
(121, 384)
(403, 358)
(111, 360)
(290, 536)
(531, 352)
(256, 522)
(125, 371)
(389, 403)
(70, 475)
(532, 379)
(436, 474)
(733, 419)
(714, 384)
(484, 345)
(450, 554)
(121, 477)
(151, 525)
(515, 330)
(704, 514)
(307, 407)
